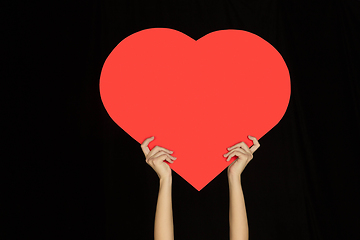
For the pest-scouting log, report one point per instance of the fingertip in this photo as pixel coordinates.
(252, 138)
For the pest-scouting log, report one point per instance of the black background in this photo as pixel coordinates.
(72, 173)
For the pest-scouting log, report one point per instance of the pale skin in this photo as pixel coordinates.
(164, 227)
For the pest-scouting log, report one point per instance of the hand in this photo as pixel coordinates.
(244, 154)
(155, 158)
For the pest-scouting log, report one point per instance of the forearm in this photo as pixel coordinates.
(237, 211)
(164, 227)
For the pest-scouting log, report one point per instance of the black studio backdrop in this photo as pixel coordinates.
(72, 173)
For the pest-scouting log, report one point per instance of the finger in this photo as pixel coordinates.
(157, 149)
(162, 156)
(256, 144)
(169, 160)
(171, 157)
(245, 147)
(160, 153)
(236, 149)
(235, 146)
(235, 153)
(144, 145)
(241, 144)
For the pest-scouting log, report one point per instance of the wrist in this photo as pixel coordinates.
(165, 180)
(234, 178)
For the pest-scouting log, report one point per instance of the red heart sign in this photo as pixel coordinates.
(196, 97)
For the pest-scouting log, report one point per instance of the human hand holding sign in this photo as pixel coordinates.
(164, 227)
(155, 158)
(237, 211)
(244, 154)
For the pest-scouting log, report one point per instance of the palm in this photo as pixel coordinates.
(237, 166)
(156, 158)
(163, 170)
(243, 154)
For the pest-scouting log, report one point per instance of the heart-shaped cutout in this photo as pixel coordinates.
(196, 97)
